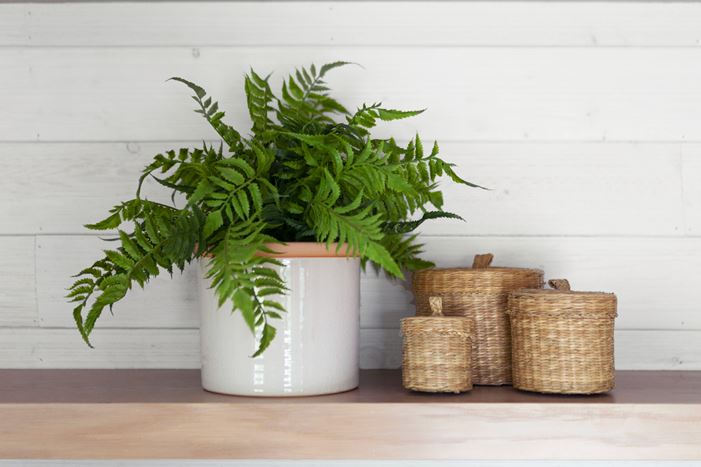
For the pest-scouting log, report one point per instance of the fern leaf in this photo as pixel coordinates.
(266, 338)
(393, 114)
(409, 226)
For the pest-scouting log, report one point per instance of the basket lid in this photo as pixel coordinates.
(437, 321)
(561, 299)
(480, 276)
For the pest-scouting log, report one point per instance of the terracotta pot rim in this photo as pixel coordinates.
(305, 250)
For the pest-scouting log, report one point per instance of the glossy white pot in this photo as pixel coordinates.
(316, 347)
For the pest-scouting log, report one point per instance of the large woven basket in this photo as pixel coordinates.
(437, 352)
(480, 293)
(562, 340)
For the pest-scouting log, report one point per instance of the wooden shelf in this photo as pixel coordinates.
(147, 414)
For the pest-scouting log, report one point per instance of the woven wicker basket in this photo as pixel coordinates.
(562, 340)
(480, 293)
(437, 352)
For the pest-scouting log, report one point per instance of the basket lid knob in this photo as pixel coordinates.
(436, 305)
(482, 261)
(560, 284)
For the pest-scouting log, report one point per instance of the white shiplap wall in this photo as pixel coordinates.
(583, 118)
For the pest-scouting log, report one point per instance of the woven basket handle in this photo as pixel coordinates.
(436, 305)
(482, 261)
(559, 284)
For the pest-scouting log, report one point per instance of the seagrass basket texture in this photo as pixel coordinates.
(480, 293)
(437, 352)
(562, 340)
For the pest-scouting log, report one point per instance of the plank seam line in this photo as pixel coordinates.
(165, 328)
(318, 45)
(422, 235)
(440, 141)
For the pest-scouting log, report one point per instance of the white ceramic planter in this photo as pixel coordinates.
(316, 348)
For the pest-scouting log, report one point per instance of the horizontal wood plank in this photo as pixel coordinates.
(331, 463)
(18, 305)
(535, 188)
(56, 188)
(378, 421)
(334, 463)
(368, 431)
(540, 104)
(380, 348)
(691, 175)
(533, 23)
(166, 302)
(114, 348)
(654, 278)
(495, 94)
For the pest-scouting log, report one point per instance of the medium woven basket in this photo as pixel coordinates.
(480, 293)
(562, 340)
(437, 352)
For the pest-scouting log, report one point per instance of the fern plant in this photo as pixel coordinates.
(309, 171)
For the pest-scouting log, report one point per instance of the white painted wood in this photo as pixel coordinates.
(581, 117)
(535, 23)
(565, 189)
(497, 94)
(17, 291)
(114, 348)
(691, 174)
(536, 188)
(57, 188)
(165, 302)
(380, 348)
(655, 279)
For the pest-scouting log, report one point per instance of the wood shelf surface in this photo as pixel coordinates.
(376, 386)
(164, 414)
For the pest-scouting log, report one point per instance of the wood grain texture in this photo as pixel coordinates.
(335, 463)
(331, 23)
(360, 431)
(497, 94)
(165, 302)
(18, 305)
(603, 189)
(691, 177)
(630, 267)
(114, 348)
(56, 188)
(580, 116)
(379, 348)
(651, 277)
(156, 414)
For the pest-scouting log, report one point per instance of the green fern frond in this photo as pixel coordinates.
(309, 171)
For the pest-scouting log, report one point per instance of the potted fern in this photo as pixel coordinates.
(280, 221)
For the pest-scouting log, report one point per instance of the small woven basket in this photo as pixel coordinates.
(437, 352)
(480, 293)
(562, 340)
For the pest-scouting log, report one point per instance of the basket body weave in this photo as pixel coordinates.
(437, 354)
(562, 341)
(480, 294)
